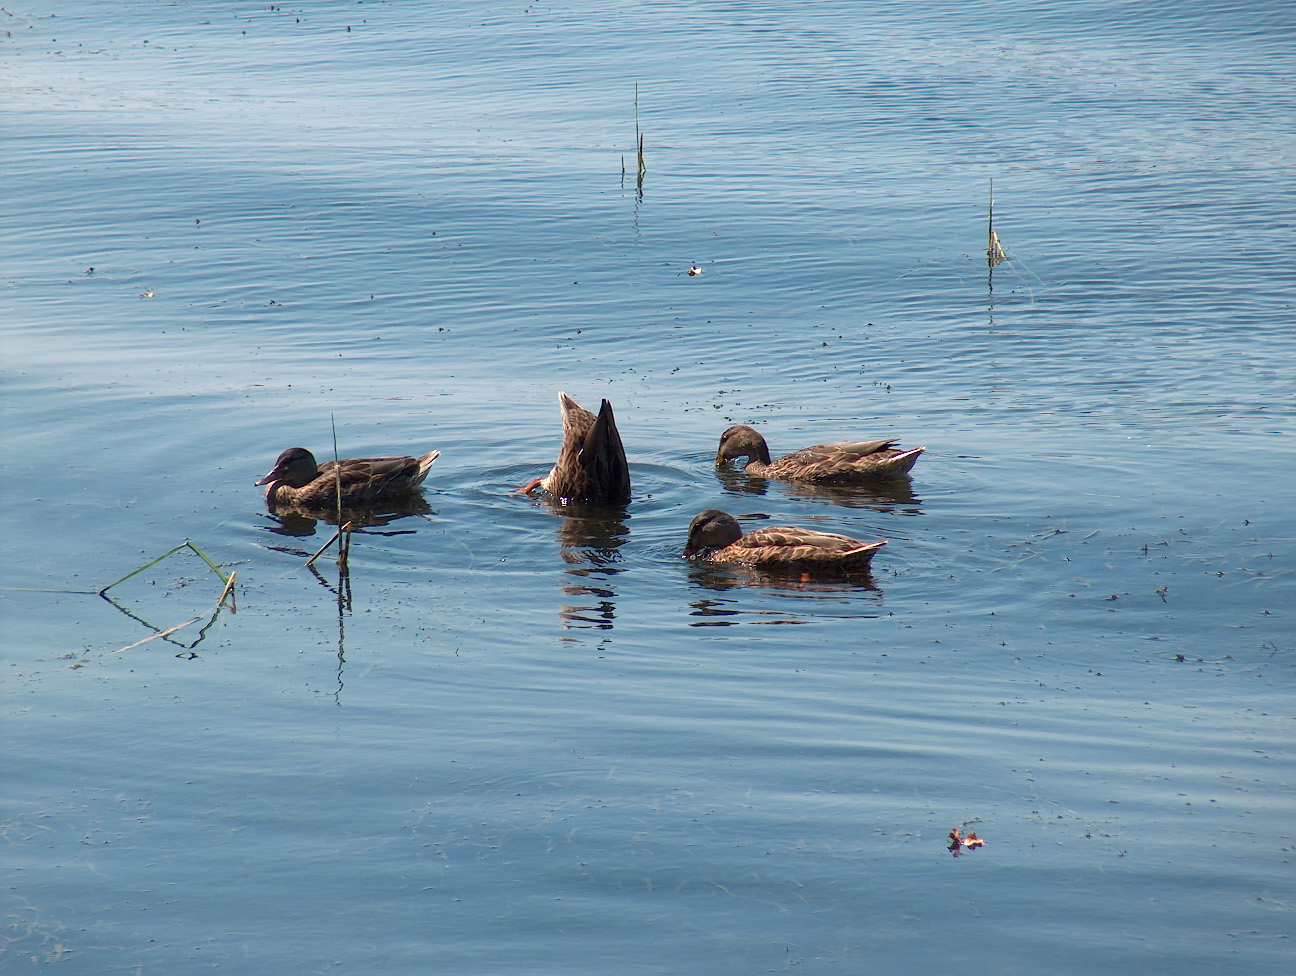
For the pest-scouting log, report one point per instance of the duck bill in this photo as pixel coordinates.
(268, 478)
(720, 460)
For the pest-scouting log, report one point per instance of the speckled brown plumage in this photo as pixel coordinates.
(297, 479)
(717, 537)
(840, 462)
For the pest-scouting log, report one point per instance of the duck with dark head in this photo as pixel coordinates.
(716, 536)
(296, 479)
(841, 462)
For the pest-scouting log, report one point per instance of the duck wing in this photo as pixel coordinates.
(846, 461)
(788, 545)
(371, 477)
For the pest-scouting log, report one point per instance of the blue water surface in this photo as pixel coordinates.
(523, 737)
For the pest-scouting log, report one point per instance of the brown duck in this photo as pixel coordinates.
(840, 462)
(591, 465)
(717, 537)
(297, 480)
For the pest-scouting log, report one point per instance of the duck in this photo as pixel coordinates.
(591, 465)
(841, 462)
(717, 537)
(296, 479)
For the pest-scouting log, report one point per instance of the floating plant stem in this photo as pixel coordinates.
(184, 545)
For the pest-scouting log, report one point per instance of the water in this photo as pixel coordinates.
(521, 738)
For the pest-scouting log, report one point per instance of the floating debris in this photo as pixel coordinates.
(958, 842)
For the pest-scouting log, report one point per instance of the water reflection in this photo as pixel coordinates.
(341, 591)
(295, 521)
(797, 586)
(731, 576)
(165, 633)
(590, 539)
(808, 593)
(298, 520)
(894, 495)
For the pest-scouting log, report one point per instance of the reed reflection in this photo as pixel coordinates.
(340, 591)
(165, 633)
(297, 521)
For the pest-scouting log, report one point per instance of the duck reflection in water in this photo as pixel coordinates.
(895, 495)
(292, 519)
(590, 539)
(824, 594)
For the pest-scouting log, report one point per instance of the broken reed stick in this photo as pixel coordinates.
(994, 250)
(344, 546)
(229, 591)
(226, 593)
(320, 551)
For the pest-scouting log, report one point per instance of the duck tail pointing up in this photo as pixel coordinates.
(605, 456)
(425, 462)
(903, 463)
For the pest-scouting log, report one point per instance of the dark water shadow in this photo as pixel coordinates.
(590, 538)
(892, 495)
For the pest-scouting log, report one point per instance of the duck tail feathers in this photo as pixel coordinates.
(425, 462)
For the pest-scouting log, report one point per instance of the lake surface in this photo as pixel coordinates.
(518, 737)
